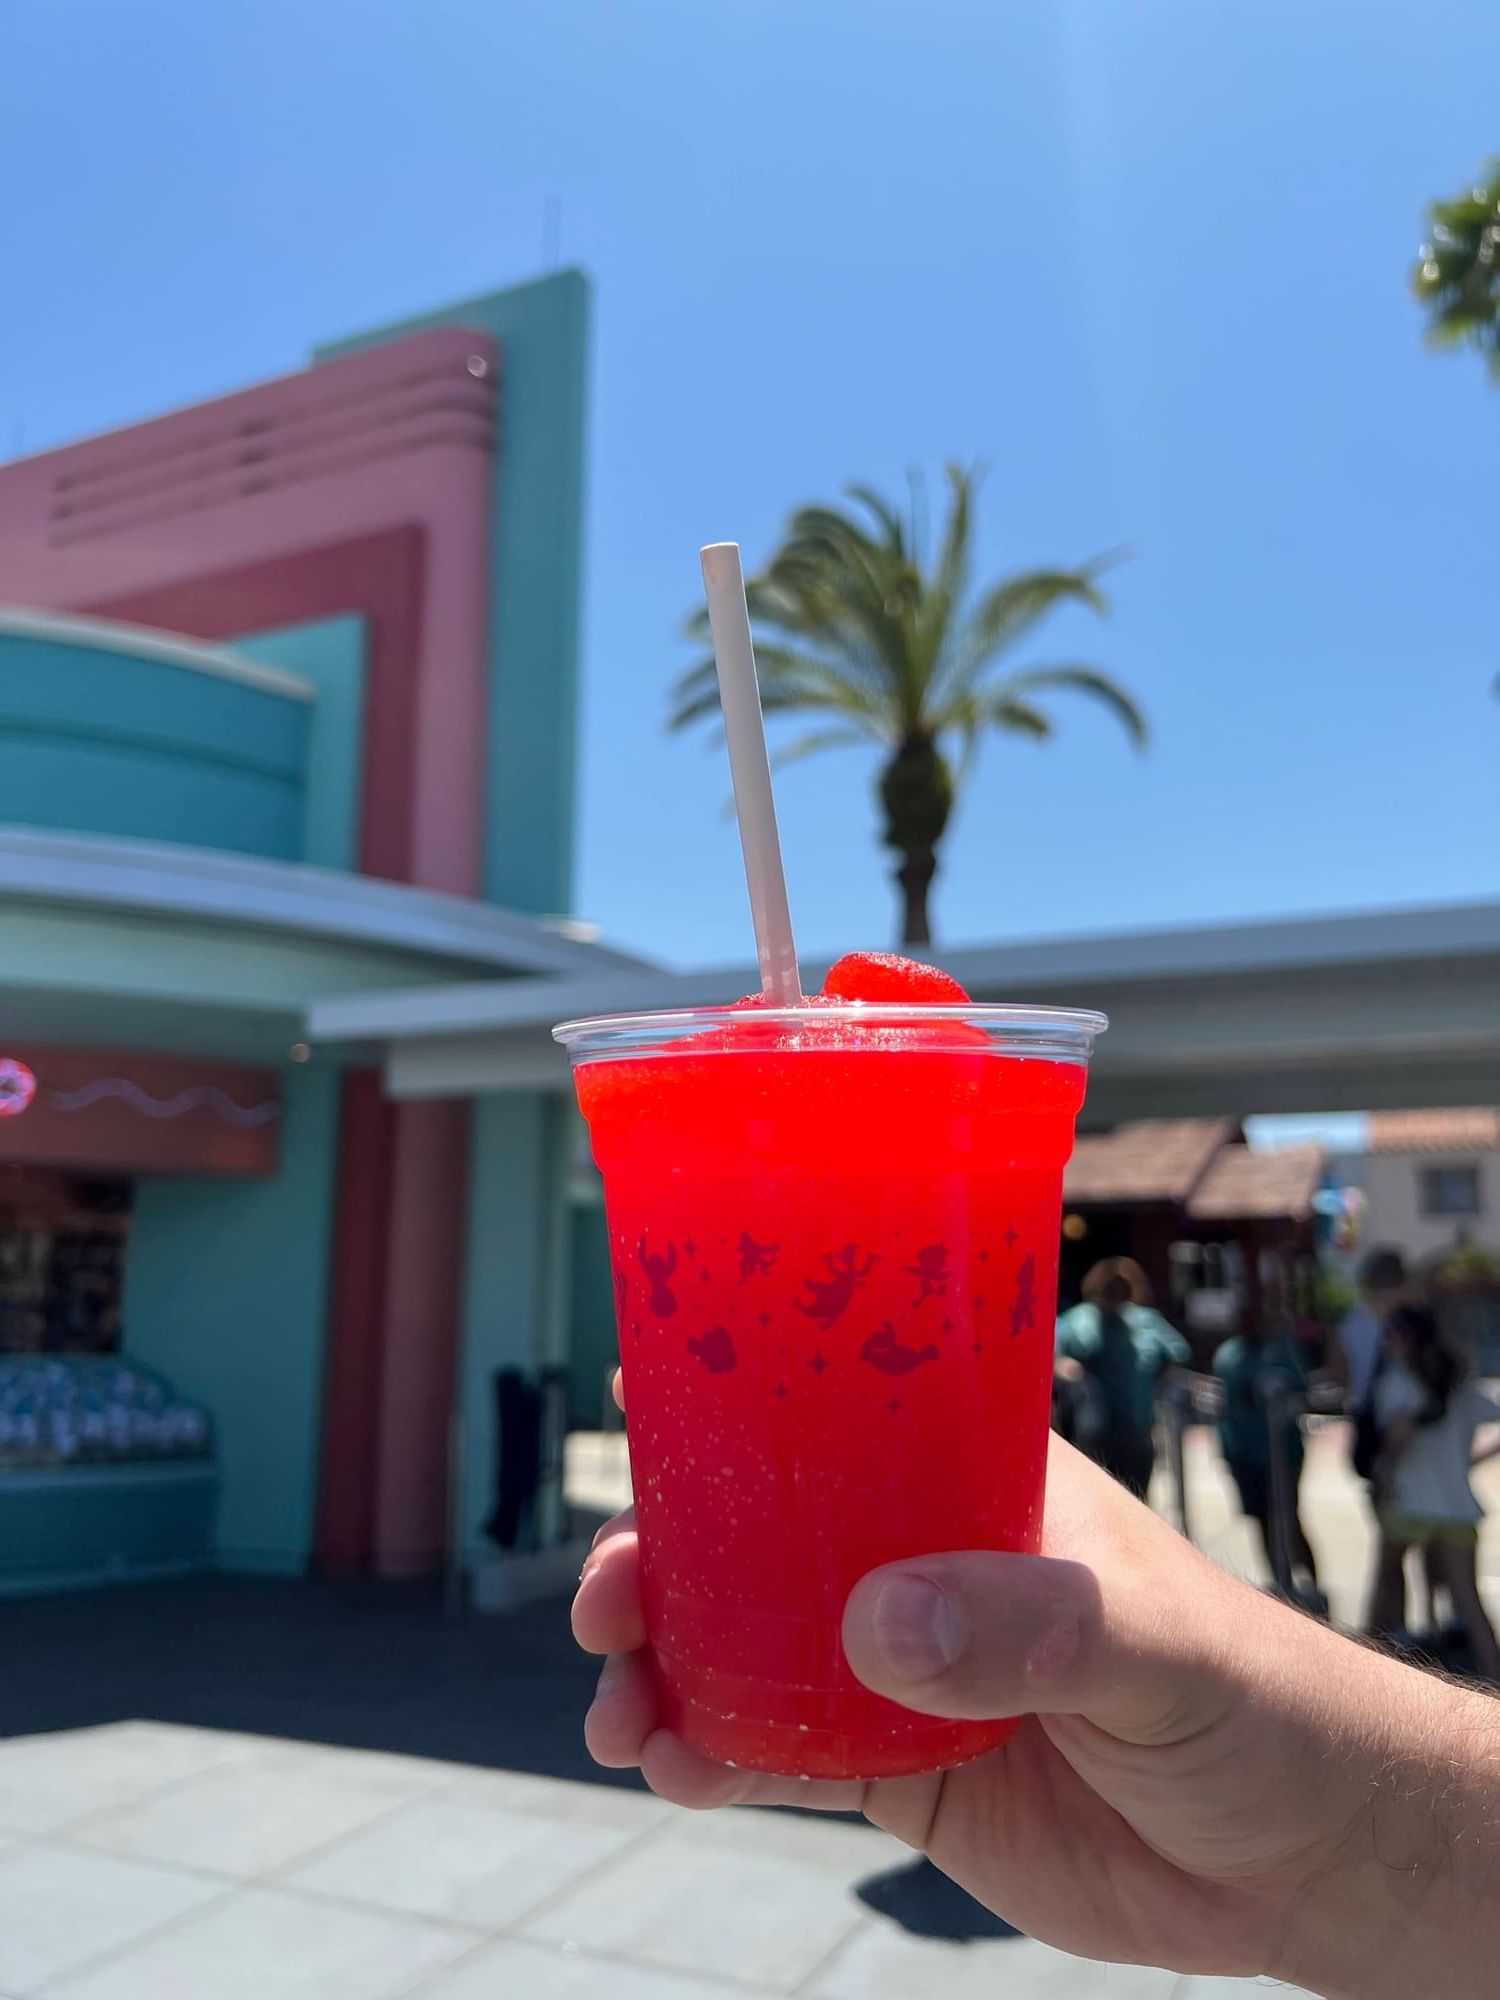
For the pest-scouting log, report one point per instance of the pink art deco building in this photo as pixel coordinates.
(287, 692)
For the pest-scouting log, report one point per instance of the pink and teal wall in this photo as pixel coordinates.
(389, 544)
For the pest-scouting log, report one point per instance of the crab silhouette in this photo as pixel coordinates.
(883, 1351)
(828, 1300)
(663, 1300)
(715, 1349)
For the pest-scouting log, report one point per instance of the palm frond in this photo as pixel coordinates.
(973, 714)
(831, 583)
(818, 740)
(951, 574)
(1457, 274)
(943, 594)
(832, 559)
(916, 490)
(999, 708)
(1005, 614)
(786, 670)
(1081, 680)
(830, 698)
(891, 524)
(1009, 611)
(788, 680)
(789, 614)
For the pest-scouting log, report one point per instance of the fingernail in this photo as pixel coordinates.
(917, 1627)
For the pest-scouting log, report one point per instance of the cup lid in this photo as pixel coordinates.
(1053, 1034)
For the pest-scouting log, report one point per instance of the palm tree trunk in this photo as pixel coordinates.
(914, 879)
(916, 792)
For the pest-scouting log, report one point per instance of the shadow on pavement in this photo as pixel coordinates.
(923, 1901)
(374, 1667)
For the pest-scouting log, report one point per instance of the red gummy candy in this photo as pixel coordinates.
(885, 975)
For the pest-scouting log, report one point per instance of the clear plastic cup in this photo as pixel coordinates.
(834, 1237)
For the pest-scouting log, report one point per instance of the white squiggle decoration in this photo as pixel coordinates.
(202, 1097)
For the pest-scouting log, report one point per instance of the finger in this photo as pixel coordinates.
(617, 1524)
(617, 1389)
(980, 1635)
(621, 1730)
(607, 1614)
(683, 1776)
(622, 1714)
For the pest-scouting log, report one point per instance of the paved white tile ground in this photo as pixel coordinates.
(146, 1862)
(765, 1899)
(263, 1809)
(63, 1908)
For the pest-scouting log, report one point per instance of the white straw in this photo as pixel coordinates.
(750, 768)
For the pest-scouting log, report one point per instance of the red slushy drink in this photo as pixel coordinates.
(834, 1239)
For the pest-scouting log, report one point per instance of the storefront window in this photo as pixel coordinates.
(1450, 1190)
(62, 1261)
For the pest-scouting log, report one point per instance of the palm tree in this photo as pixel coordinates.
(1457, 276)
(854, 625)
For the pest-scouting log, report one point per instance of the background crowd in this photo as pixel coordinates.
(1416, 1417)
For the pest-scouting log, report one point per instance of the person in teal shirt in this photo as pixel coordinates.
(1264, 1384)
(1119, 1344)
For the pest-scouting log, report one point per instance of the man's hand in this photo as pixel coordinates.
(1209, 1781)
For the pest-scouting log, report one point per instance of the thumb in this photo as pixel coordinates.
(980, 1636)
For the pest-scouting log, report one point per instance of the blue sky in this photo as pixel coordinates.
(1148, 261)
